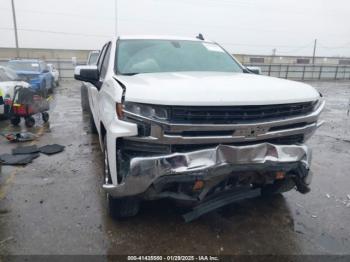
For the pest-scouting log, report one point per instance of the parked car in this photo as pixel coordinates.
(35, 72)
(55, 74)
(8, 81)
(92, 60)
(182, 119)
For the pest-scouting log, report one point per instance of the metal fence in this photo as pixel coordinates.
(288, 71)
(305, 72)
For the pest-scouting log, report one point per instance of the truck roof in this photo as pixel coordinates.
(26, 60)
(160, 37)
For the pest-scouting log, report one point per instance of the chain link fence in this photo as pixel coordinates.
(288, 71)
(305, 72)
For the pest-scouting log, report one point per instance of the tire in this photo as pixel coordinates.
(52, 87)
(93, 127)
(29, 121)
(278, 187)
(123, 207)
(84, 99)
(45, 116)
(118, 208)
(43, 90)
(57, 83)
(15, 120)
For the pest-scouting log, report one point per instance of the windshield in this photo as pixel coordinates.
(24, 66)
(6, 74)
(153, 56)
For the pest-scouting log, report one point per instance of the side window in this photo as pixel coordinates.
(100, 58)
(42, 66)
(105, 62)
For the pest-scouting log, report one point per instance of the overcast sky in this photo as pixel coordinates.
(242, 26)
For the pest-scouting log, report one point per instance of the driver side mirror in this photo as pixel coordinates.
(254, 69)
(88, 74)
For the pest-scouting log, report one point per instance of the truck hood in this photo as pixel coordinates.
(214, 88)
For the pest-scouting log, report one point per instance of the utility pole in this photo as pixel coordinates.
(314, 53)
(273, 55)
(15, 26)
(116, 17)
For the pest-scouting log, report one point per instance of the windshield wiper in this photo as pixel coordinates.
(130, 74)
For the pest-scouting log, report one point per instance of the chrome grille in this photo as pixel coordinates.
(237, 114)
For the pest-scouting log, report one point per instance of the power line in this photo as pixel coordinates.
(346, 45)
(54, 32)
(75, 15)
(293, 48)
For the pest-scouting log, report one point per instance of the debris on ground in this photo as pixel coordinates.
(220, 201)
(5, 240)
(299, 205)
(8, 159)
(314, 216)
(26, 154)
(348, 196)
(328, 196)
(25, 150)
(51, 149)
(20, 137)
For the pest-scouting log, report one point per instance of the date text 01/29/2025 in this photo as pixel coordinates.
(172, 258)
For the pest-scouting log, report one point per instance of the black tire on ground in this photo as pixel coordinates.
(52, 87)
(43, 90)
(93, 127)
(15, 120)
(57, 83)
(84, 99)
(278, 187)
(123, 207)
(29, 121)
(45, 116)
(118, 207)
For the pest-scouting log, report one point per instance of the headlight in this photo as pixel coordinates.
(318, 103)
(150, 111)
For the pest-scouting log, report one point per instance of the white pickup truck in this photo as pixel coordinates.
(180, 118)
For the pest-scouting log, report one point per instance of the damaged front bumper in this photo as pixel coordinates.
(219, 168)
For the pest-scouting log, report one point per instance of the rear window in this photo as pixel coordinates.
(24, 66)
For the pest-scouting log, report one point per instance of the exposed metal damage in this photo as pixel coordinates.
(213, 165)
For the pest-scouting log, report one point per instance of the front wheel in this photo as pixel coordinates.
(29, 121)
(84, 99)
(118, 207)
(15, 120)
(93, 127)
(123, 207)
(52, 87)
(43, 90)
(45, 116)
